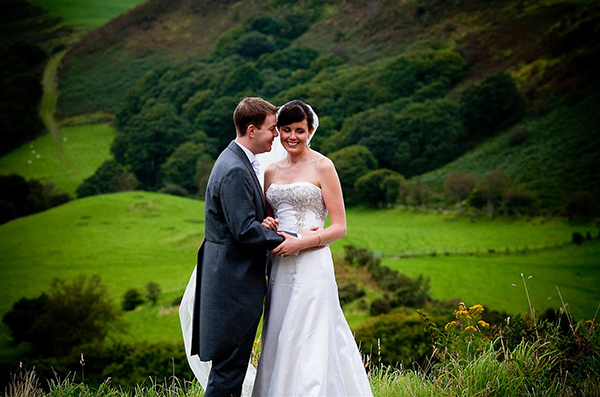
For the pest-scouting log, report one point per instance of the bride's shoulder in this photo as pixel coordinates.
(322, 162)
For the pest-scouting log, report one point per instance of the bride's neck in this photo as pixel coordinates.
(298, 158)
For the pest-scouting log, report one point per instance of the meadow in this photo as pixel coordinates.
(132, 238)
(65, 163)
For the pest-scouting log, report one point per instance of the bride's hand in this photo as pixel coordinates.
(270, 223)
(310, 232)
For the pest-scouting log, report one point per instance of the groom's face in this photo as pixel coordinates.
(264, 136)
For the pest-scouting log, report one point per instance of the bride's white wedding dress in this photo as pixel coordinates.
(307, 346)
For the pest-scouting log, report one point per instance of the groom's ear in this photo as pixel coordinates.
(251, 131)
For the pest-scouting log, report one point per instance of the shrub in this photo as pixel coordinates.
(350, 292)
(577, 238)
(399, 336)
(491, 106)
(153, 292)
(132, 299)
(518, 136)
(174, 190)
(69, 315)
(110, 177)
(382, 305)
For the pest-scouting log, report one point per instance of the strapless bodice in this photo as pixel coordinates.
(297, 205)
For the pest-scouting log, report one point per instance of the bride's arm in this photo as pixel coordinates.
(334, 201)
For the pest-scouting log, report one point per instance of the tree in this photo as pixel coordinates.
(19, 197)
(217, 121)
(70, 315)
(519, 201)
(429, 135)
(491, 106)
(490, 188)
(351, 163)
(400, 76)
(252, 45)
(291, 58)
(148, 139)
(420, 194)
(241, 79)
(110, 177)
(132, 299)
(459, 185)
(180, 167)
(582, 204)
(153, 292)
(265, 25)
(371, 188)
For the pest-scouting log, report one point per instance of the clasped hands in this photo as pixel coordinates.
(291, 245)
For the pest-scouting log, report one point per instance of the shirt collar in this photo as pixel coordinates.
(249, 154)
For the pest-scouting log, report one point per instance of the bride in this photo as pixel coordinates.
(307, 346)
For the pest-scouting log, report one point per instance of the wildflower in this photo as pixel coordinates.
(462, 306)
(451, 324)
(483, 323)
(461, 313)
(477, 308)
(471, 328)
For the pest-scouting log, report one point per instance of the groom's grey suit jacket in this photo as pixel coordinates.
(230, 284)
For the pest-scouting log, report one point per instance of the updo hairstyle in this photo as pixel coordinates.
(294, 112)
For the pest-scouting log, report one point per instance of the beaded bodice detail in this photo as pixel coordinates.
(300, 203)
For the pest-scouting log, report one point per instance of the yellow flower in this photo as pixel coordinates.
(462, 306)
(471, 328)
(469, 317)
(451, 324)
(461, 313)
(476, 309)
(483, 323)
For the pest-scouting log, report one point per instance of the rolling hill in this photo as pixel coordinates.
(132, 238)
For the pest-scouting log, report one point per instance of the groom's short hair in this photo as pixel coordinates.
(251, 111)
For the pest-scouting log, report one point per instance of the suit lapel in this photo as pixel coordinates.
(244, 159)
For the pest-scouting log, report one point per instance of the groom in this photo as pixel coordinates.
(232, 259)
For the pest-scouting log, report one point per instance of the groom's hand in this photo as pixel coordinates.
(290, 246)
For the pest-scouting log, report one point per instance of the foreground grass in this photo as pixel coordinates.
(65, 163)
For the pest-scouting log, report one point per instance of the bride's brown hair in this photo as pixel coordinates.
(294, 112)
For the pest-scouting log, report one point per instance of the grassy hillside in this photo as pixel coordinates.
(495, 36)
(132, 238)
(87, 13)
(558, 156)
(488, 279)
(65, 163)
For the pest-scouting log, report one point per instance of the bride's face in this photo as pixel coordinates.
(294, 137)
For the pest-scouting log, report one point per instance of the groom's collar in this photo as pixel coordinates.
(249, 154)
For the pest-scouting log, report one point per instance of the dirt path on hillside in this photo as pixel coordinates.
(48, 108)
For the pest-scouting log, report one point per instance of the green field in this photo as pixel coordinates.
(87, 13)
(66, 164)
(488, 279)
(132, 238)
(398, 232)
